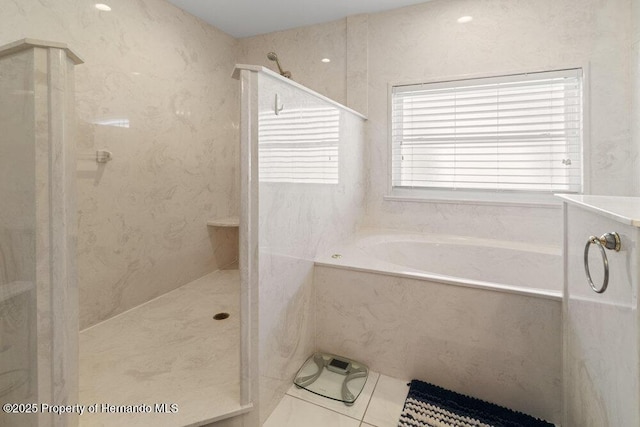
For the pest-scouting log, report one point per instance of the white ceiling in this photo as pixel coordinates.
(243, 18)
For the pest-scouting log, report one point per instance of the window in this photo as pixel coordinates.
(299, 145)
(513, 133)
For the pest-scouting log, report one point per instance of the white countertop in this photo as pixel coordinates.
(622, 209)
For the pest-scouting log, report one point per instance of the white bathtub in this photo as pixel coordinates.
(483, 263)
(481, 317)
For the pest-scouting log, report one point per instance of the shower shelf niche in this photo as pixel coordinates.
(230, 221)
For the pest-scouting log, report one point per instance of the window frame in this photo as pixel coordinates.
(491, 197)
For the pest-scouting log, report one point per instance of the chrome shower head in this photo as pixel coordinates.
(273, 57)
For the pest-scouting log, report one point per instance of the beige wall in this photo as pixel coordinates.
(634, 57)
(142, 217)
(424, 42)
(501, 347)
(300, 51)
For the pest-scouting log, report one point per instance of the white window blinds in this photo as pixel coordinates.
(299, 145)
(519, 132)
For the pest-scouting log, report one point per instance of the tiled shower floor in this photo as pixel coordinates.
(169, 350)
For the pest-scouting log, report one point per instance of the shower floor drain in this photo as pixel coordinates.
(221, 316)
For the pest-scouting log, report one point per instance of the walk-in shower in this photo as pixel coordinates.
(163, 361)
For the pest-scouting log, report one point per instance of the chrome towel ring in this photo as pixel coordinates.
(609, 241)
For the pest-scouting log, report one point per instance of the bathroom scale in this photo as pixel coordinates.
(333, 377)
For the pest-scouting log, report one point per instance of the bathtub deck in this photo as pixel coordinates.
(169, 350)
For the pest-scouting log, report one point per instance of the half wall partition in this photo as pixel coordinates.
(302, 181)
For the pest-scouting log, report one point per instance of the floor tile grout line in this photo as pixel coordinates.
(323, 407)
(364, 414)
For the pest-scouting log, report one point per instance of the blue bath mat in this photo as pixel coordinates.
(428, 405)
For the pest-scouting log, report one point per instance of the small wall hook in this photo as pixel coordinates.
(278, 107)
(103, 156)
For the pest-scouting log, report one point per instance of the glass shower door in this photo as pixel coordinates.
(38, 289)
(18, 329)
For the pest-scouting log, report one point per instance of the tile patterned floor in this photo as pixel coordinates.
(379, 405)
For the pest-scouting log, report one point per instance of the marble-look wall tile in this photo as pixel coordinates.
(602, 353)
(156, 91)
(635, 21)
(287, 324)
(358, 63)
(504, 348)
(424, 42)
(537, 225)
(634, 58)
(300, 51)
(298, 221)
(63, 227)
(249, 239)
(45, 313)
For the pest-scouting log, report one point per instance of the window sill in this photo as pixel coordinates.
(541, 200)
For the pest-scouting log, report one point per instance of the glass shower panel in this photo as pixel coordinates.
(18, 375)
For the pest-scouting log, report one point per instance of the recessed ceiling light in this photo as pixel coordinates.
(103, 7)
(465, 19)
(325, 60)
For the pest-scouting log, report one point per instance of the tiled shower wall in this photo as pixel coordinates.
(634, 55)
(297, 222)
(424, 42)
(156, 91)
(295, 54)
(502, 347)
(505, 37)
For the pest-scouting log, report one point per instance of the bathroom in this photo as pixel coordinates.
(155, 91)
